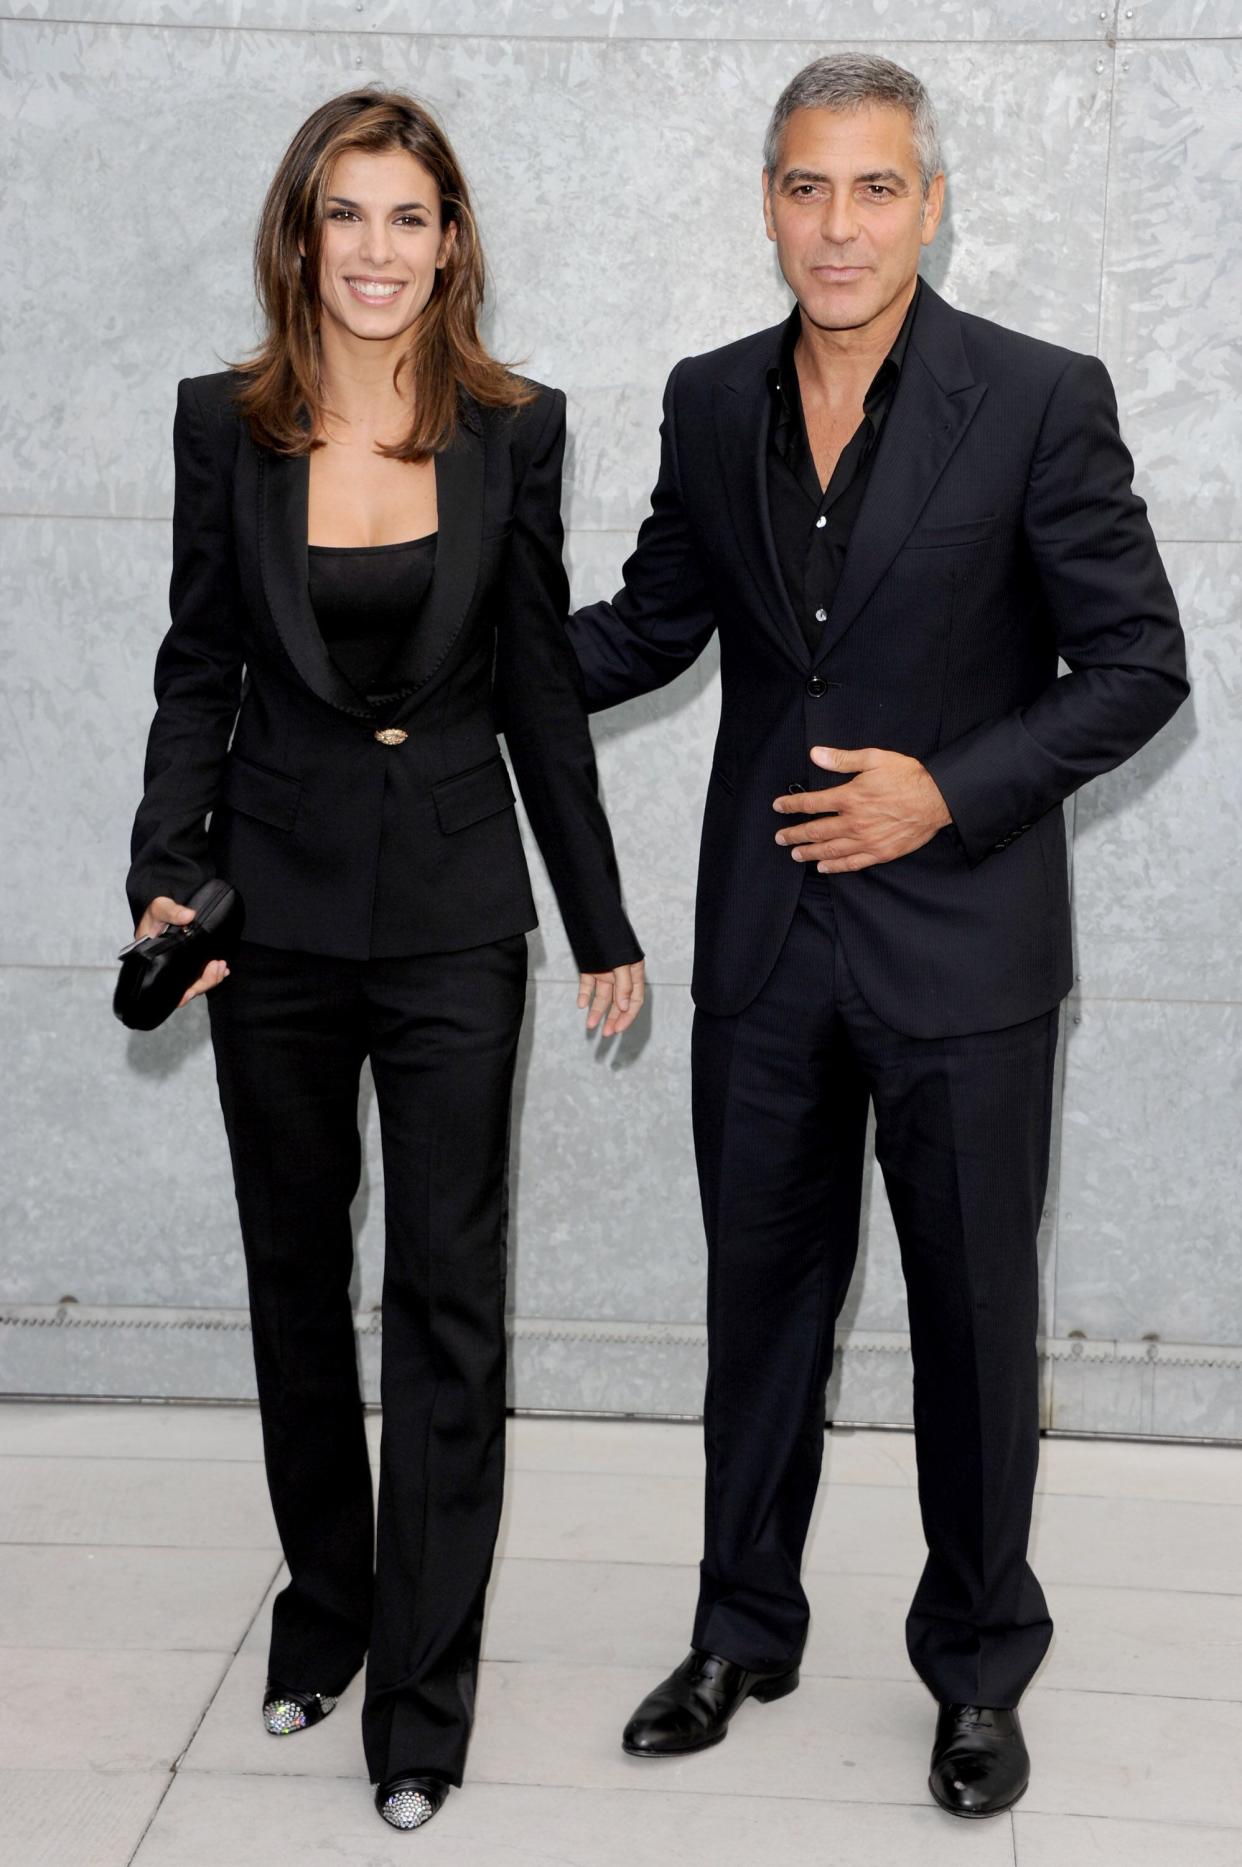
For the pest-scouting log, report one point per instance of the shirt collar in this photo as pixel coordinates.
(783, 373)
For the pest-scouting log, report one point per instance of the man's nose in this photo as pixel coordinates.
(839, 223)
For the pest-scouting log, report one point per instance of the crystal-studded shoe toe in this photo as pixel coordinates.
(410, 1801)
(285, 1712)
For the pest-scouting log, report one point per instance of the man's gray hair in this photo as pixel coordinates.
(843, 81)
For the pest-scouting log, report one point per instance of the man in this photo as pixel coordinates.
(897, 516)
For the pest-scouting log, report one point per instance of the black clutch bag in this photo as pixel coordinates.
(157, 971)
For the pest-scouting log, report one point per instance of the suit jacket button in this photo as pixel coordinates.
(793, 785)
(817, 685)
(391, 736)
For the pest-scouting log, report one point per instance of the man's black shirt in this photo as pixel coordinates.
(812, 527)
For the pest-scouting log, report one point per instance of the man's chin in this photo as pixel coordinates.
(841, 308)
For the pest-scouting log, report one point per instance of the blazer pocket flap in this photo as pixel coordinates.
(256, 792)
(967, 533)
(473, 795)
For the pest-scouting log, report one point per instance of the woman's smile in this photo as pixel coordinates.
(374, 291)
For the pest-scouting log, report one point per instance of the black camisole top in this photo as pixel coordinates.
(366, 598)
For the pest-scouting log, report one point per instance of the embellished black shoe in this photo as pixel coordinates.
(285, 1712)
(691, 1709)
(410, 1801)
(979, 1761)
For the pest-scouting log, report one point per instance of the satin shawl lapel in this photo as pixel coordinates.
(284, 481)
(459, 525)
(283, 485)
(742, 406)
(934, 404)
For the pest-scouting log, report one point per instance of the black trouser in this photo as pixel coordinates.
(291, 1032)
(962, 1137)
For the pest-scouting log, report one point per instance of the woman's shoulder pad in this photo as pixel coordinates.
(532, 414)
(544, 393)
(215, 393)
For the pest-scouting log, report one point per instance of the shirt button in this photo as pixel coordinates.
(817, 685)
(821, 615)
(820, 523)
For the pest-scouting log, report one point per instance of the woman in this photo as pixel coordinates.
(366, 576)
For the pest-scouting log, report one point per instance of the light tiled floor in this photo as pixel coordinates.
(137, 1560)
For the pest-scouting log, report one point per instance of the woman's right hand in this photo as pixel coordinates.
(164, 913)
(618, 993)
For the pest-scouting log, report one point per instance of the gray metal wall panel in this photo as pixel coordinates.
(1091, 197)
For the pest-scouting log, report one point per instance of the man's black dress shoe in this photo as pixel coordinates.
(409, 1801)
(692, 1708)
(979, 1762)
(285, 1712)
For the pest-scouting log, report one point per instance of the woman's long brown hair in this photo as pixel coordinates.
(446, 355)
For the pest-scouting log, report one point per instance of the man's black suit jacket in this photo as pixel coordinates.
(998, 532)
(339, 843)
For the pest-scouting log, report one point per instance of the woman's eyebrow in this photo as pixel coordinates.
(402, 207)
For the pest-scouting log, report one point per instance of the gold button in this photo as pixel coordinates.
(391, 736)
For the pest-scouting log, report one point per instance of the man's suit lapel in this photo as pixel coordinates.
(742, 406)
(283, 485)
(934, 404)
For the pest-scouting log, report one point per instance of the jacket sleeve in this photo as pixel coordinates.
(542, 708)
(661, 620)
(198, 674)
(1113, 616)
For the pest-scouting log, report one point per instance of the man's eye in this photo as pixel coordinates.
(875, 189)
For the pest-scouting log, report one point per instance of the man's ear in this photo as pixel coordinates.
(768, 223)
(933, 208)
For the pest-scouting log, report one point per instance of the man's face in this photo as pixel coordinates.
(846, 210)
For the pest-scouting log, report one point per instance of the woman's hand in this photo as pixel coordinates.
(619, 993)
(164, 913)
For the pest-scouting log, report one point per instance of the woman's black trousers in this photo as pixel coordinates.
(291, 1032)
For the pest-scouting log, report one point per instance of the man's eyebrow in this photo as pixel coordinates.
(873, 175)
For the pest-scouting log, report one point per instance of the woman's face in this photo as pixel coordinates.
(382, 243)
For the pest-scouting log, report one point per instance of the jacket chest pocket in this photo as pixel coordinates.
(968, 532)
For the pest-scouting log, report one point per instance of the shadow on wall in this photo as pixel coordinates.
(615, 1053)
(1121, 789)
(161, 1054)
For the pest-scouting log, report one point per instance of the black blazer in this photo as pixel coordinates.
(342, 843)
(998, 532)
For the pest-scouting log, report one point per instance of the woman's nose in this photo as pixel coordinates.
(376, 243)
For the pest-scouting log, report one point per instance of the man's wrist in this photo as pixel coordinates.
(937, 807)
